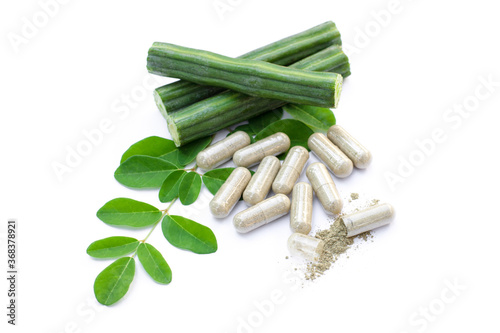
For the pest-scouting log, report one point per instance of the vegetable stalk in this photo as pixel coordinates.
(250, 77)
(177, 95)
(228, 108)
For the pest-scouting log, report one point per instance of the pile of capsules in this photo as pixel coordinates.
(338, 150)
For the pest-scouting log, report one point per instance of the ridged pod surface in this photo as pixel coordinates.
(228, 108)
(247, 76)
(179, 94)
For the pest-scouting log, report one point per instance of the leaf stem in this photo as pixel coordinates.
(169, 206)
(165, 212)
(193, 169)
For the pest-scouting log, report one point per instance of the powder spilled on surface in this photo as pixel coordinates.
(336, 243)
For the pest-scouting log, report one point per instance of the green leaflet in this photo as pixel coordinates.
(318, 119)
(245, 128)
(214, 179)
(128, 212)
(143, 171)
(173, 157)
(112, 247)
(187, 153)
(153, 146)
(296, 130)
(170, 188)
(154, 263)
(113, 282)
(189, 188)
(258, 123)
(188, 235)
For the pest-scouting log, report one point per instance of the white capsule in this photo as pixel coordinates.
(305, 246)
(359, 155)
(368, 219)
(290, 170)
(301, 211)
(331, 155)
(260, 184)
(222, 151)
(272, 145)
(262, 213)
(324, 187)
(230, 192)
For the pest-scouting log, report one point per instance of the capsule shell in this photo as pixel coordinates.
(262, 213)
(301, 211)
(290, 170)
(331, 155)
(272, 145)
(368, 219)
(260, 184)
(324, 187)
(359, 155)
(222, 151)
(230, 192)
(305, 246)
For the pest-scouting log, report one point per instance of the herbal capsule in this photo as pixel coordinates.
(230, 192)
(301, 211)
(262, 213)
(368, 219)
(331, 155)
(324, 187)
(305, 246)
(290, 170)
(261, 181)
(359, 155)
(272, 145)
(222, 151)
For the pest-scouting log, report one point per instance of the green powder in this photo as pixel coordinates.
(336, 243)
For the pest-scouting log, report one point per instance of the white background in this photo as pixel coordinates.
(410, 69)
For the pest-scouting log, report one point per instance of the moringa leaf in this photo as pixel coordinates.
(153, 146)
(296, 130)
(172, 157)
(318, 119)
(214, 179)
(188, 235)
(245, 128)
(187, 153)
(113, 282)
(189, 188)
(260, 122)
(154, 263)
(143, 171)
(128, 212)
(170, 188)
(112, 247)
